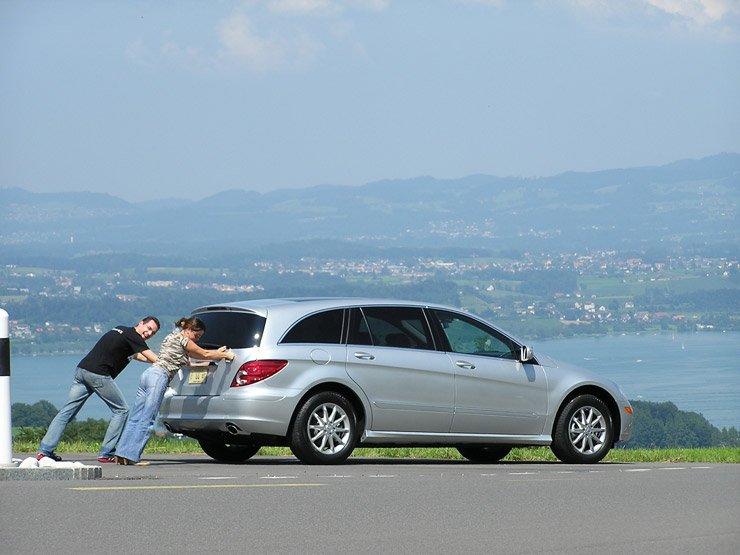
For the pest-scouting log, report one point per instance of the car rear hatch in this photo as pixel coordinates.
(237, 330)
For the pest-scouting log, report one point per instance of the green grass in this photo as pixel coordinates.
(528, 454)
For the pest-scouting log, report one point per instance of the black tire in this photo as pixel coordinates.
(484, 453)
(228, 452)
(584, 431)
(324, 430)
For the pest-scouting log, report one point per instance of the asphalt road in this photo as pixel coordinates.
(187, 504)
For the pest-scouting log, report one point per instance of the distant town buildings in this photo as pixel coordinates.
(490, 279)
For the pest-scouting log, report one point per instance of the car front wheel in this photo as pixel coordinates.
(325, 428)
(583, 433)
(228, 452)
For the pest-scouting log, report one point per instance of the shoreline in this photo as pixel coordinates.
(524, 339)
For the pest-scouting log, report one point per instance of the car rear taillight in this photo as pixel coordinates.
(256, 371)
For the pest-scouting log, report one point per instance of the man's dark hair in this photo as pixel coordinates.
(153, 319)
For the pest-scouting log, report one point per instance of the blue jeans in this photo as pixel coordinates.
(84, 385)
(152, 385)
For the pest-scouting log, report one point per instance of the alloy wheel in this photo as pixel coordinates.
(587, 430)
(329, 428)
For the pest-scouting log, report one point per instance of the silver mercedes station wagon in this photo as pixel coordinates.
(325, 375)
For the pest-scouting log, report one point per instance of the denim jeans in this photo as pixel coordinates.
(83, 386)
(152, 385)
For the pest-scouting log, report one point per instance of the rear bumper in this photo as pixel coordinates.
(237, 415)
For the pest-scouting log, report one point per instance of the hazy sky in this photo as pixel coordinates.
(152, 99)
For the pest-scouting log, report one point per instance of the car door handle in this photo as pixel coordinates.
(364, 356)
(466, 365)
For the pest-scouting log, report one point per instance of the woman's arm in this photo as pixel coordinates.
(196, 351)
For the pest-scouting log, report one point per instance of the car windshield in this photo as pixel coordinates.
(236, 330)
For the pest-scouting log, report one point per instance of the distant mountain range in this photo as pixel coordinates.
(690, 204)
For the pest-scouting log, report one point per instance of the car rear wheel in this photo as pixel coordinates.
(583, 433)
(228, 452)
(484, 454)
(325, 428)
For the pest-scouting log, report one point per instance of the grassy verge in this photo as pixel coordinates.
(527, 454)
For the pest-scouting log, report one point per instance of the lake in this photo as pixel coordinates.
(698, 372)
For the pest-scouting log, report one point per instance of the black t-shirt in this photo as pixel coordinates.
(111, 353)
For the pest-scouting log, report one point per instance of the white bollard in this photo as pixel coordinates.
(6, 431)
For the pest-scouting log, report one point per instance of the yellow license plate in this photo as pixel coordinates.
(197, 377)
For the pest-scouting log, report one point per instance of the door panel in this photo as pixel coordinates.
(391, 357)
(409, 390)
(498, 396)
(494, 393)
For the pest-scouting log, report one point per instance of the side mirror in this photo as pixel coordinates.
(526, 354)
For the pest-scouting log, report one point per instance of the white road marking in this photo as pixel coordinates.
(222, 486)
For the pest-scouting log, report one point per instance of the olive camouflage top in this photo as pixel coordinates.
(172, 353)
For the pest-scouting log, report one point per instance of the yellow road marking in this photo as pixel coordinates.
(210, 486)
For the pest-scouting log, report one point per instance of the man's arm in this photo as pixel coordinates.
(146, 356)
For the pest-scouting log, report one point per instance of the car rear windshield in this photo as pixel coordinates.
(236, 330)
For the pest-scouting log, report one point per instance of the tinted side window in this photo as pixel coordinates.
(359, 333)
(468, 336)
(394, 326)
(236, 330)
(323, 327)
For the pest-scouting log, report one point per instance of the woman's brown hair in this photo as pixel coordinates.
(192, 323)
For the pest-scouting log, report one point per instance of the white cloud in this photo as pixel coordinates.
(717, 18)
(300, 6)
(242, 46)
(263, 35)
(702, 12)
(287, 35)
(324, 7)
(698, 12)
(494, 3)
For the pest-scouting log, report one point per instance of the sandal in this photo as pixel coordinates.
(128, 462)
